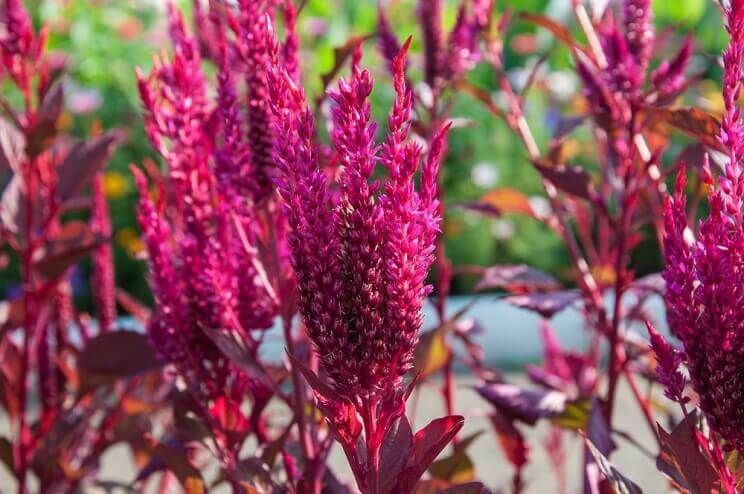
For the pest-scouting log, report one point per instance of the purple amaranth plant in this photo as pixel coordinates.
(447, 58)
(361, 259)
(207, 280)
(705, 272)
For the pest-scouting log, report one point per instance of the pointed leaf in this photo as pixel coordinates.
(395, 451)
(620, 483)
(84, 160)
(573, 180)
(512, 441)
(694, 122)
(74, 241)
(682, 460)
(427, 444)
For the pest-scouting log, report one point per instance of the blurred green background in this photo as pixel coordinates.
(107, 39)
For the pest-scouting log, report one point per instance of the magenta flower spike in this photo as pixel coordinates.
(361, 261)
(202, 259)
(104, 283)
(705, 273)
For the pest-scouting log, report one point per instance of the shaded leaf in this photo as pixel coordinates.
(694, 122)
(174, 458)
(620, 483)
(394, 451)
(573, 180)
(526, 405)
(85, 159)
(254, 476)
(6, 453)
(234, 348)
(682, 460)
(115, 355)
(545, 304)
(45, 121)
(597, 430)
(516, 277)
(74, 241)
(480, 207)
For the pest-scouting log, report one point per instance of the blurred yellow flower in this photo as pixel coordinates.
(115, 185)
(130, 241)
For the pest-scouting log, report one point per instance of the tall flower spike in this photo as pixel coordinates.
(258, 47)
(639, 31)
(386, 39)
(705, 275)
(430, 16)
(361, 261)
(104, 292)
(668, 361)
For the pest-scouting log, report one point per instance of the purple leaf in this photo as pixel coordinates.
(481, 207)
(233, 347)
(545, 304)
(572, 180)
(516, 277)
(72, 244)
(427, 444)
(115, 355)
(315, 382)
(597, 430)
(84, 160)
(527, 405)
(620, 483)
(395, 451)
(682, 460)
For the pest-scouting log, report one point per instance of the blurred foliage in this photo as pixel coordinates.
(106, 39)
